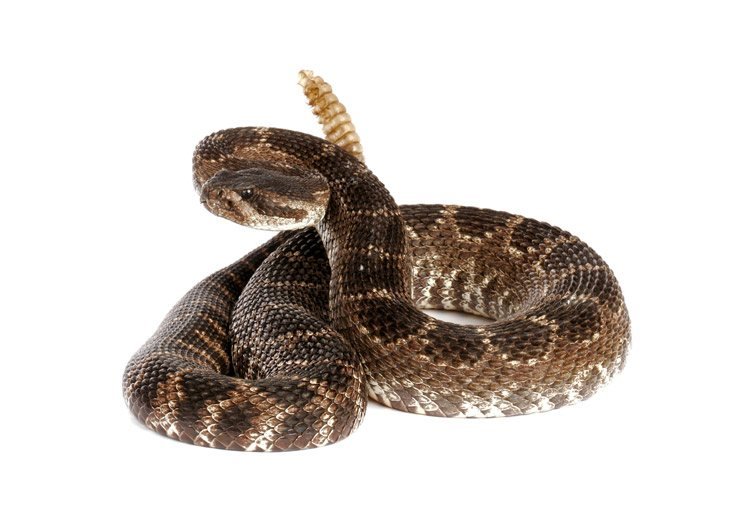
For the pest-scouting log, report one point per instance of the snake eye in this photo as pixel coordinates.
(246, 193)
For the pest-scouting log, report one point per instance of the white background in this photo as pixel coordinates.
(608, 119)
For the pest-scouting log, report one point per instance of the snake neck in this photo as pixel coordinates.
(364, 235)
(365, 239)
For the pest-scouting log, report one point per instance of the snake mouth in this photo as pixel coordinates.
(222, 198)
(225, 203)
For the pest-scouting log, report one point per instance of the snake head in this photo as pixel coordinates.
(266, 199)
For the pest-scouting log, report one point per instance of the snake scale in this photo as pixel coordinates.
(281, 349)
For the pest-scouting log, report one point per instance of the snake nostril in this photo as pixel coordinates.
(227, 200)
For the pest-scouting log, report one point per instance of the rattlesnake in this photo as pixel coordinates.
(281, 349)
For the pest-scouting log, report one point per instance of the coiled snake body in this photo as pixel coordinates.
(280, 350)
